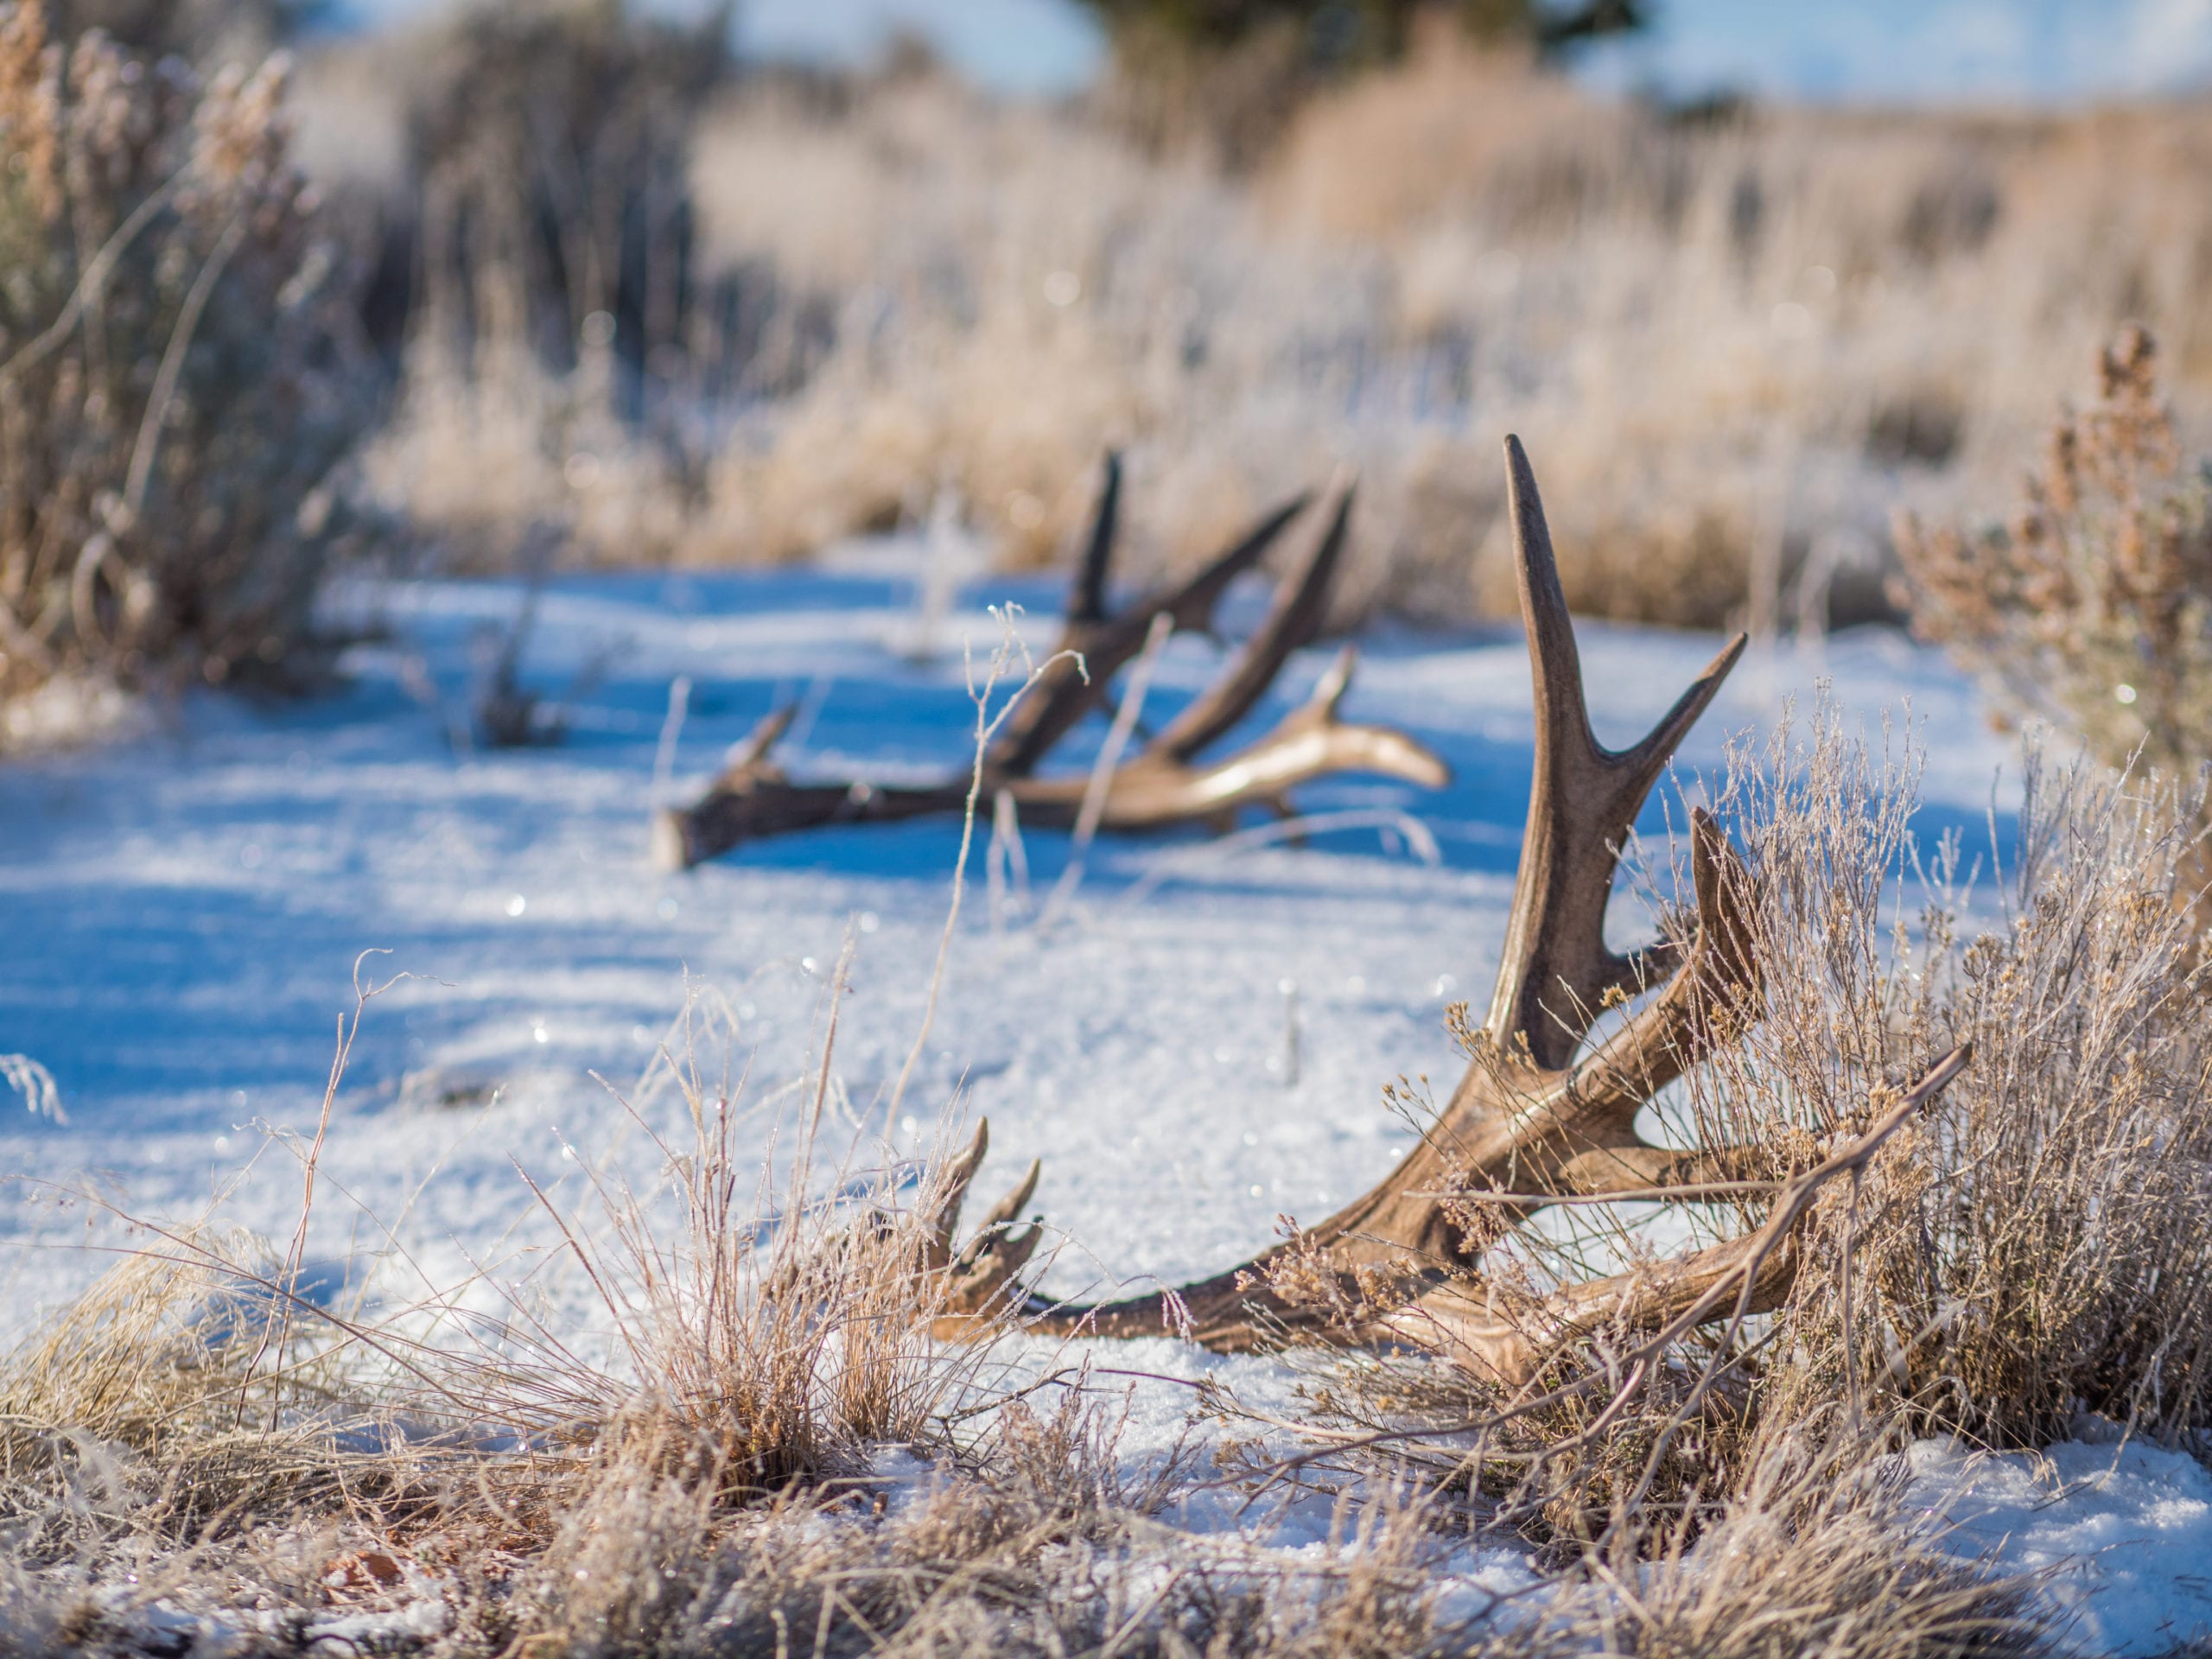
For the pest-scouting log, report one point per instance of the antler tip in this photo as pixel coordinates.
(1532, 540)
(1521, 497)
(766, 732)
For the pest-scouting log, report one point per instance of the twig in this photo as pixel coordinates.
(671, 727)
(92, 285)
(347, 1031)
(987, 725)
(1101, 782)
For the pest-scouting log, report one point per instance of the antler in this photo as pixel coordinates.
(1165, 783)
(1530, 1123)
(974, 1282)
(1666, 1300)
(1093, 646)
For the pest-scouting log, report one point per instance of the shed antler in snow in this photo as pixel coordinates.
(1535, 1120)
(1166, 782)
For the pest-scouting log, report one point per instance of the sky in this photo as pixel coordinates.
(1881, 51)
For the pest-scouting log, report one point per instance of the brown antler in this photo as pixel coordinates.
(1530, 1123)
(1093, 646)
(973, 1280)
(1165, 783)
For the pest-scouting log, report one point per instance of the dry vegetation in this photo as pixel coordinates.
(1739, 341)
(168, 307)
(731, 1478)
(2091, 605)
(636, 305)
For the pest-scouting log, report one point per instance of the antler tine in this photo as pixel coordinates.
(1293, 620)
(1087, 598)
(1063, 692)
(982, 1277)
(1015, 1201)
(680, 839)
(1193, 603)
(766, 732)
(1582, 803)
(959, 1174)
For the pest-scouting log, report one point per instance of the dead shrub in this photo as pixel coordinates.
(2091, 605)
(2041, 1242)
(175, 387)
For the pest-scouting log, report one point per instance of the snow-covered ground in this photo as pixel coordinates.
(184, 911)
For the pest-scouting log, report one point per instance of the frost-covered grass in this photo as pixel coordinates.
(186, 911)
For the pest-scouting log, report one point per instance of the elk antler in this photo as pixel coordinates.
(1530, 1123)
(1165, 783)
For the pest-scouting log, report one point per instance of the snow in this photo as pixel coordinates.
(1195, 1048)
(2121, 1530)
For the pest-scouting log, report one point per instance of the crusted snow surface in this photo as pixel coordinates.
(1195, 1047)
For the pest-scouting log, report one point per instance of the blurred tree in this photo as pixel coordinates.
(1349, 33)
(1227, 74)
(550, 140)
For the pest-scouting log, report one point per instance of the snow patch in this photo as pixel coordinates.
(2120, 1533)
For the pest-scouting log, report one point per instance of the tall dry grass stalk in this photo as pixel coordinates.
(171, 309)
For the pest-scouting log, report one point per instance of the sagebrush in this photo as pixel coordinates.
(175, 386)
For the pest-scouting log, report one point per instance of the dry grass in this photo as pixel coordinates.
(2092, 606)
(160, 1403)
(1811, 1557)
(1738, 345)
(736, 1431)
(169, 306)
(2038, 1244)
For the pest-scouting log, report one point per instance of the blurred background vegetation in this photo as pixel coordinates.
(590, 287)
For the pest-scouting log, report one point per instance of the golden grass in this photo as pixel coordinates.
(1739, 346)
